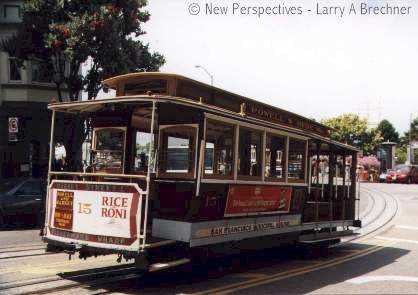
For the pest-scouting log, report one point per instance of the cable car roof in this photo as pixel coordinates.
(90, 106)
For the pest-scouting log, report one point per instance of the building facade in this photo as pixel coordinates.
(24, 95)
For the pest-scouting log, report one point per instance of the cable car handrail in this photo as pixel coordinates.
(65, 173)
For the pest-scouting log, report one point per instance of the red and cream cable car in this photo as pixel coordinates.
(173, 165)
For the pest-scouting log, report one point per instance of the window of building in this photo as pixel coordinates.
(12, 12)
(275, 157)
(15, 72)
(249, 152)
(219, 149)
(177, 151)
(31, 187)
(41, 72)
(109, 147)
(296, 165)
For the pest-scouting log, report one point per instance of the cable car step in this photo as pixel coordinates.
(324, 237)
(159, 243)
(164, 265)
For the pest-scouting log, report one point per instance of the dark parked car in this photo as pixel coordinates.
(24, 203)
(403, 174)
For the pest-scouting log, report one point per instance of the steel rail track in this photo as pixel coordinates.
(21, 246)
(21, 250)
(105, 277)
(66, 281)
(373, 191)
(369, 207)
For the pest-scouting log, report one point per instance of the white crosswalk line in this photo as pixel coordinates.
(407, 227)
(396, 239)
(368, 279)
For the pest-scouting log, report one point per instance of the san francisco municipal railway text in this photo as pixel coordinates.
(236, 229)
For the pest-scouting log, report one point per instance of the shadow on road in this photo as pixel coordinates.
(222, 271)
(19, 227)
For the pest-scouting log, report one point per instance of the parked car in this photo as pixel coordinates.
(24, 203)
(403, 174)
(382, 176)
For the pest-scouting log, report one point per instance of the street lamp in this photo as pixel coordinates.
(207, 72)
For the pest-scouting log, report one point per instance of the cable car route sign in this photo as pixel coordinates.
(95, 212)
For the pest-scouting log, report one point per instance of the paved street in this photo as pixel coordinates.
(382, 262)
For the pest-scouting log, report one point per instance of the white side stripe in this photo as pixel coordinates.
(368, 279)
(396, 239)
(407, 227)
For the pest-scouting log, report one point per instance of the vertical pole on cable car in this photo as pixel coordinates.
(337, 173)
(331, 183)
(358, 197)
(344, 188)
(309, 172)
(356, 186)
(318, 166)
(150, 155)
(51, 146)
(201, 158)
(323, 179)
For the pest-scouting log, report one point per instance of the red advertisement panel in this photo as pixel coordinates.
(254, 199)
(63, 215)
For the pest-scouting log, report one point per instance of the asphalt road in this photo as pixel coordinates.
(383, 262)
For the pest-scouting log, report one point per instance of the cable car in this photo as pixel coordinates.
(171, 170)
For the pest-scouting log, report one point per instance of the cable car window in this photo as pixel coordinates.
(219, 149)
(142, 143)
(177, 152)
(275, 157)
(296, 166)
(108, 152)
(249, 152)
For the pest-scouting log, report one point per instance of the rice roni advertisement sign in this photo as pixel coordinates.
(94, 212)
(254, 199)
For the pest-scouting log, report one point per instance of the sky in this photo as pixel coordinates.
(316, 65)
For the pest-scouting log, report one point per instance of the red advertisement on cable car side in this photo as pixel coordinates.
(253, 200)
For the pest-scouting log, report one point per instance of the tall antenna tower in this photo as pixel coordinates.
(372, 111)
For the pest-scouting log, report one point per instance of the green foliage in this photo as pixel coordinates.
(387, 131)
(351, 129)
(400, 154)
(413, 130)
(348, 128)
(401, 149)
(67, 33)
(371, 140)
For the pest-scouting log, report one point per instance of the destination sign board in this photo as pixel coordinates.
(96, 212)
(273, 115)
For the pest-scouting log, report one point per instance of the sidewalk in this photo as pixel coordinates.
(7, 184)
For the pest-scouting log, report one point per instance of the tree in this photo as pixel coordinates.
(413, 130)
(351, 129)
(387, 131)
(348, 128)
(401, 154)
(66, 33)
(402, 148)
(370, 141)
